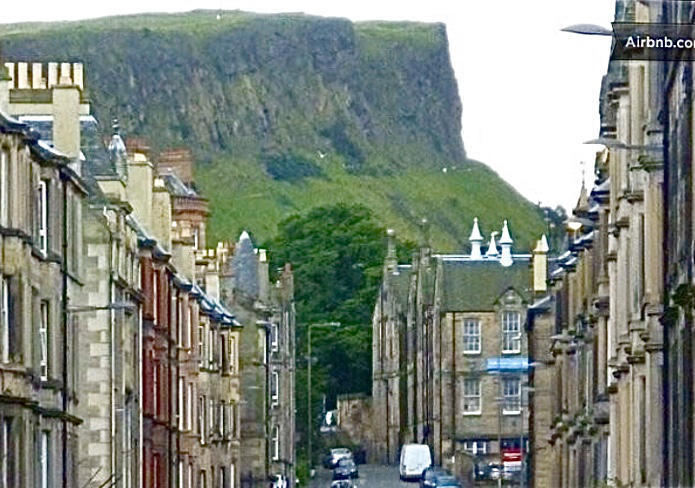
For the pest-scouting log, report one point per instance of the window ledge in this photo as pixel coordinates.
(471, 353)
(511, 412)
(511, 351)
(473, 413)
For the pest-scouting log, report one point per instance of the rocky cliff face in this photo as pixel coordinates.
(274, 86)
(285, 112)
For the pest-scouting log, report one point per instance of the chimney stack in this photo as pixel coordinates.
(540, 266)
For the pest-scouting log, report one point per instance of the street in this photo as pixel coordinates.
(371, 476)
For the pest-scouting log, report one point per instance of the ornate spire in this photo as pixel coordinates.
(117, 151)
(476, 240)
(506, 243)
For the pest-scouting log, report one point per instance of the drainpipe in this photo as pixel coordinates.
(453, 386)
(64, 314)
(112, 339)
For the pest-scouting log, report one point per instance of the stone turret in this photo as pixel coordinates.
(476, 240)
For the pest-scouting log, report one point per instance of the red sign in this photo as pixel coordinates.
(511, 455)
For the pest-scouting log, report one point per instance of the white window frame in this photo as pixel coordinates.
(190, 475)
(5, 320)
(45, 460)
(181, 402)
(155, 296)
(43, 338)
(211, 416)
(275, 443)
(189, 328)
(232, 475)
(220, 420)
(274, 385)
(511, 394)
(475, 447)
(472, 340)
(5, 459)
(274, 342)
(471, 395)
(511, 332)
(4, 187)
(202, 426)
(220, 480)
(201, 344)
(180, 476)
(232, 353)
(211, 347)
(189, 406)
(42, 215)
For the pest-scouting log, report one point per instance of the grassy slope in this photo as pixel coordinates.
(245, 199)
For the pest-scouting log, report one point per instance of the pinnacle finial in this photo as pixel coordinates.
(476, 236)
(492, 248)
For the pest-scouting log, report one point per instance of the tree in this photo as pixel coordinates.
(337, 254)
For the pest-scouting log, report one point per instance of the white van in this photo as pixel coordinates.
(415, 458)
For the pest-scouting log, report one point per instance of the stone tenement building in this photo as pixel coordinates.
(450, 354)
(42, 267)
(614, 374)
(267, 370)
(144, 389)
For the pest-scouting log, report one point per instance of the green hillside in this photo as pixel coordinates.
(285, 112)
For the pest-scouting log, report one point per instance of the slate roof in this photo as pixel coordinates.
(177, 187)
(96, 163)
(477, 285)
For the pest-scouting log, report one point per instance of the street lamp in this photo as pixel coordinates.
(618, 144)
(308, 384)
(128, 307)
(588, 30)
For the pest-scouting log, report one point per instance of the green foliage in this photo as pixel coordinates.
(290, 167)
(334, 252)
(337, 255)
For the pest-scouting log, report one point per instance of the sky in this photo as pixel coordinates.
(529, 91)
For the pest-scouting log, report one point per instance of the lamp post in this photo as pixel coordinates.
(308, 385)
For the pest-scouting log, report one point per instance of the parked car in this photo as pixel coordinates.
(342, 484)
(429, 476)
(346, 468)
(415, 458)
(335, 455)
(447, 481)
